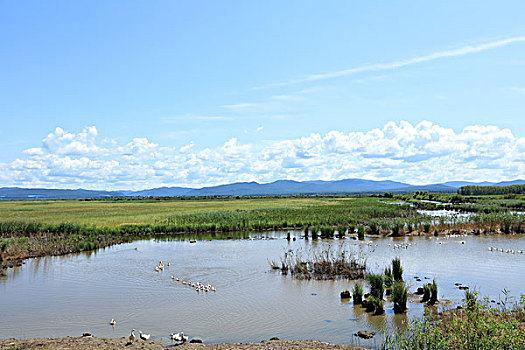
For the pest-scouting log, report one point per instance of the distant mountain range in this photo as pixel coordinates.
(280, 187)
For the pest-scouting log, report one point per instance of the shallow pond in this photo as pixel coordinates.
(65, 296)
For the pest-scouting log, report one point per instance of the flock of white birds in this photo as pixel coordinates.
(177, 337)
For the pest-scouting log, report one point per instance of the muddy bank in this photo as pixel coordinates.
(92, 343)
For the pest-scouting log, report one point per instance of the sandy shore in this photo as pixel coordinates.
(92, 343)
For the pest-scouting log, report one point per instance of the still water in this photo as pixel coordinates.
(68, 295)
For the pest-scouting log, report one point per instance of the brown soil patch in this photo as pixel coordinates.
(92, 343)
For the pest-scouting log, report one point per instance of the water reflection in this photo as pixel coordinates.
(67, 295)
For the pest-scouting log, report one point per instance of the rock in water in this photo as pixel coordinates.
(196, 340)
(365, 334)
(345, 294)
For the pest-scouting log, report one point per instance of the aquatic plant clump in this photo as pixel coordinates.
(325, 264)
(426, 293)
(397, 270)
(357, 293)
(377, 287)
(389, 277)
(433, 293)
(399, 296)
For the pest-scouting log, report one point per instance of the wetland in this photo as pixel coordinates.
(66, 295)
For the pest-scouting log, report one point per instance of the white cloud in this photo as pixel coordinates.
(421, 153)
(465, 50)
(61, 142)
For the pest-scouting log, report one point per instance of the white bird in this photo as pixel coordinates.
(112, 322)
(144, 336)
(179, 337)
(132, 336)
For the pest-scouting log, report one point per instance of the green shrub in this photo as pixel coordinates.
(470, 299)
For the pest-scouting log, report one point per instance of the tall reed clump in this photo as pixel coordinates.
(389, 280)
(433, 293)
(397, 270)
(324, 264)
(426, 293)
(375, 301)
(377, 287)
(378, 304)
(357, 293)
(389, 277)
(399, 297)
(361, 232)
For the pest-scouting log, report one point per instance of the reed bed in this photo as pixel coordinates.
(318, 217)
(325, 264)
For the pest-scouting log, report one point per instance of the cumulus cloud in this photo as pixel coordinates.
(421, 153)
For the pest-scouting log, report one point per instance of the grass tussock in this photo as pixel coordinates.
(357, 293)
(399, 296)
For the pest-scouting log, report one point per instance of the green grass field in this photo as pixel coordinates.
(115, 213)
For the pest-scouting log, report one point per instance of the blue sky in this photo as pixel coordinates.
(138, 94)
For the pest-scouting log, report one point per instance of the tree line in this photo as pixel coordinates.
(491, 190)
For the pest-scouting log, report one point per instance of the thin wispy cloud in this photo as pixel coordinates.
(517, 89)
(462, 51)
(193, 117)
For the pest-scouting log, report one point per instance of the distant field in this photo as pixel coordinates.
(114, 213)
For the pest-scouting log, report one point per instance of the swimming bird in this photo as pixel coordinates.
(144, 336)
(179, 337)
(112, 322)
(132, 336)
